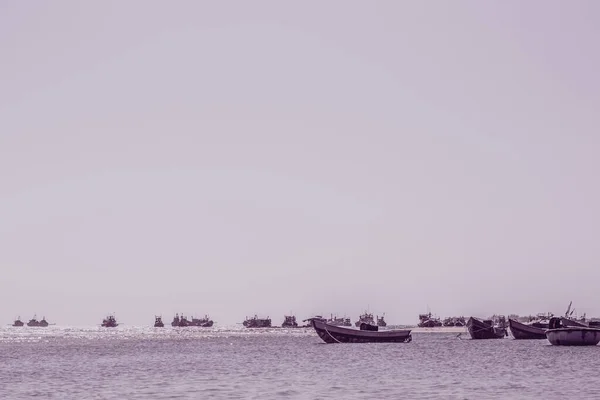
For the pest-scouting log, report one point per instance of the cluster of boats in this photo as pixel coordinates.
(429, 321)
(560, 331)
(33, 322)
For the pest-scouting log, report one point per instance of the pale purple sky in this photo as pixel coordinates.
(264, 157)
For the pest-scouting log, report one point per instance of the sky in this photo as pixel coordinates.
(240, 158)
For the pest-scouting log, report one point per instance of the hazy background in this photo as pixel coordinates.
(264, 157)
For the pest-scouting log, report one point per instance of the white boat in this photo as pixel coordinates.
(559, 335)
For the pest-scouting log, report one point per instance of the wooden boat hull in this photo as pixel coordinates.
(338, 334)
(574, 336)
(480, 330)
(523, 331)
(571, 323)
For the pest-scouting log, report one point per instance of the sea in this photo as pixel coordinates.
(238, 363)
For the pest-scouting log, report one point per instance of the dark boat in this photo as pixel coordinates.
(428, 321)
(381, 322)
(366, 334)
(256, 322)
(339, 321)
(205, 322)
(559, 335)
(494, 328)
(570, 321)
(180, 321)
(525, 331)
(43, 323)
(109, 322)
(158, 323)
(33, 322)
(18, 322)
(289, 321)
(366, 318)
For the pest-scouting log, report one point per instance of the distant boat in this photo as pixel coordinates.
(558, 335)
(368, 334)
(256, 322)
(381, 321)
(289, 321)
(366, 318)
(158, 323)
(18, 322)
(109, 322)
(525, 331)
(33, 322)
(428, 321)
(205, 322)
(494, 328)
(339, 321)
(180, 321)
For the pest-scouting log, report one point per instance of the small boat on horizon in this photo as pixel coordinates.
(158, 322)
(381, 321)
(18, 322)
(180, 321)
(109, 322)
(205, 322)
(493, 328)
(366, 334)
(339, 321)
(33, 322)
(256, 322)
(559, 335)
(366, 318)
(289, 321)
(429, 321)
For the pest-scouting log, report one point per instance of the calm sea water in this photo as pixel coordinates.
(192, 363)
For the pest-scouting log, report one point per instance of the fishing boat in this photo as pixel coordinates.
(109, 322)
(205, 322)
(525, 331)
(570, 320)
(493, 328)
(381, 322)
(289, 321)
(559, 335)
(33, 322)
(18, 322)
(366, 318)
(43, 323)
(180, 321)
(335, 320)
(158, 322)
(428, 321)
(256, 322)
(367, 334)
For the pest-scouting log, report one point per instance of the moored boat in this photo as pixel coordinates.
(366, 318)
(381, 322)
(43, 323)
(33, 322)
(180, 321)
(109, 322)
(18, 322)
(339, 321)
(367, 334)
(256, 322)
(158, 322)
(494, 328)
(525, 331)
(204, 322)
(289, 321)
(429, 321)
(559, 335)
